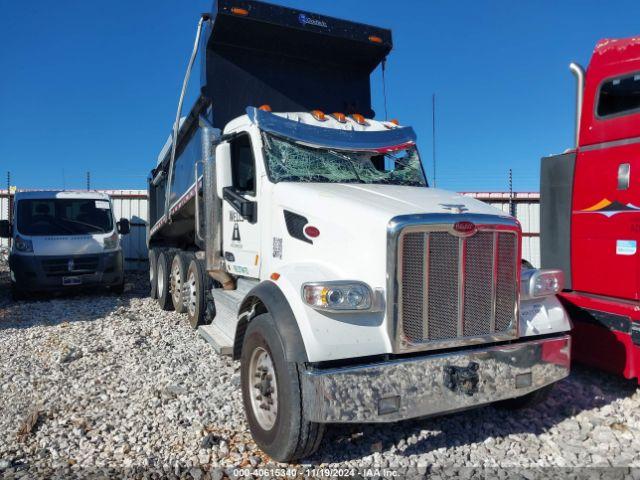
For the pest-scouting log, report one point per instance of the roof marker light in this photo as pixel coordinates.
(240, 11)
(359, 119)
(395, 122)
(319, 115)
(265, 108)
(340, 117)
(375, 39)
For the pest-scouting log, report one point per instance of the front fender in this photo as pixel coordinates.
(331, 336)
(541, 316)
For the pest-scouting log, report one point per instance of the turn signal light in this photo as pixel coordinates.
(319, 115)
(359, 119)
(240, 11)
(375, 39)
(340, 117)
(275, 276)
(265, 108)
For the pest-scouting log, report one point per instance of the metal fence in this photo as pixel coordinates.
(132, 204)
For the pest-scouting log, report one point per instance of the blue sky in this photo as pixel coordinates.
(88, 85)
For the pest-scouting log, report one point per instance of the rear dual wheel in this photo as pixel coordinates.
(163, 273)
(178, 280)
(196, 288)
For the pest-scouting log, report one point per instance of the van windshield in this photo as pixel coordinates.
(56, 216)
(287, 161)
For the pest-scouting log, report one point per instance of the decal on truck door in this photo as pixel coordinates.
(626, 247)
(609, 209)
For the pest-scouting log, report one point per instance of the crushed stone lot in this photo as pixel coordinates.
(99, 384)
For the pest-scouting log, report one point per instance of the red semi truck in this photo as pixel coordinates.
(590, 211)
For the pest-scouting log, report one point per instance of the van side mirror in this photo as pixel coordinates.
(223, 167)
(5, 229)
(124, 227)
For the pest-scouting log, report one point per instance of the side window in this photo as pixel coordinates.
(619, 96)
(243, 170)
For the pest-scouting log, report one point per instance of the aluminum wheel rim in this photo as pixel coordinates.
(193, 294)
(160, 280)
(176, 286)
(263, 388)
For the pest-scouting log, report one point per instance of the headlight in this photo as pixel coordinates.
(23, 244)
(541, 283)
(111, 242)
(337, 296)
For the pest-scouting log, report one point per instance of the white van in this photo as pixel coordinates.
(64, 240)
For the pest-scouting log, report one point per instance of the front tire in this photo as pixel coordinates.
(272, 397)
(164, 266)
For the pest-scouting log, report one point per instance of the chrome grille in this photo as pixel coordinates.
(455, 290)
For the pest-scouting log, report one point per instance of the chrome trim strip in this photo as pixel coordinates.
(353, 394)
(610, 144)
(330, 137)
(494, 282)
(462, 250)
(440, 222)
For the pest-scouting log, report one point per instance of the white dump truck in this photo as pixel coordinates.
(300, 236)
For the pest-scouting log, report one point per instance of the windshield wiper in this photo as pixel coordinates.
(349, 160)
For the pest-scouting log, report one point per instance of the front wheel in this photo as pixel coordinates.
(272, 396)
(196, 293)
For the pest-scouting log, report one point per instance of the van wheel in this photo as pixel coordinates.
(17, 293)
(196, 293)
(164, 297)
(178, 280)
(153, 273)
(272, 397)
(527, 401)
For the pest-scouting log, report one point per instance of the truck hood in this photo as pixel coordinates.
(385, 201)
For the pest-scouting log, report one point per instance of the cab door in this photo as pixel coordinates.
(606, 221)
(240, 225)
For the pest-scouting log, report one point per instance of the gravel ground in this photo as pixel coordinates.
(116, 387)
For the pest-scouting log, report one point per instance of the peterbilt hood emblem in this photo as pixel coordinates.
(464, 229)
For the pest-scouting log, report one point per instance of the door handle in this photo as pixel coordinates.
(624, 176)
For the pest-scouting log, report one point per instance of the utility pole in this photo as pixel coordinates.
(433, 132)
(9, 209)
(512, 205)
(88, 180)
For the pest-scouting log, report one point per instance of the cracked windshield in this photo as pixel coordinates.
(291, 162)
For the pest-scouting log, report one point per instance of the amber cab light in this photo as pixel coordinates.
(240, 11)
(395, 122)
(359, 119)
(275, 276)
(340, 117)
(311, 231)
(375, 39)
(319, 115)
(265, 108)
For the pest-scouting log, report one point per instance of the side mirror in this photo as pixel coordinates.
(5, 229)
(223, 167)
(124, 227)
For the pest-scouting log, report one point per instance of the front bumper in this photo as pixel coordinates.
(433, 384)
(35, 273)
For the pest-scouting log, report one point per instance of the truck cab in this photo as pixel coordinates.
(591, 210)
(61, 240)
(301, 237)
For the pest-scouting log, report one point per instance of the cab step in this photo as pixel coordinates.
(221, 343)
